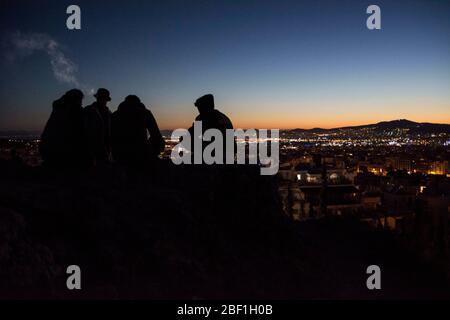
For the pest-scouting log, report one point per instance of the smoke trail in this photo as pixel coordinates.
(20, 45)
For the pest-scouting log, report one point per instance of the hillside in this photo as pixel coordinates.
(184, 232)
(402, 124)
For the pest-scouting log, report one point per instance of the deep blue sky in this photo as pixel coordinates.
(270, 64)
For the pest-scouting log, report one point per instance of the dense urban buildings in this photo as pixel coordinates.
(394, 176)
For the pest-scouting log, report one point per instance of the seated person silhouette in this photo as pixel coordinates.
(131, 126)
(63, 140)
(211, 118)
(98, 128)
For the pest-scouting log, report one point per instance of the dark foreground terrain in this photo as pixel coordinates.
(186, 232)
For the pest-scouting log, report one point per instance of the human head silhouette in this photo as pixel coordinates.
(74, 97)
(205, 103)
(132, 99)
(102, 96)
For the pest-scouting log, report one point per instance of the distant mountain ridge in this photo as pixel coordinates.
(413, 127)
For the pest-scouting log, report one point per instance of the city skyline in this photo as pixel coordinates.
(269, 64)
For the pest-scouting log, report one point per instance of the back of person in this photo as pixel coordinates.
(97, 118)
(63, 140)
(131, 126)
(210, 118)
(97, 132)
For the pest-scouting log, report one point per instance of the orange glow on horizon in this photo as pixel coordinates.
(308, 116)
(304, 123)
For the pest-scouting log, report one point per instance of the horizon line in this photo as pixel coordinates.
(260, 128)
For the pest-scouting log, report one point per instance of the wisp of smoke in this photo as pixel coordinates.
(20, 45)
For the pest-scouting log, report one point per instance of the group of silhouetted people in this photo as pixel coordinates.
(93, 136)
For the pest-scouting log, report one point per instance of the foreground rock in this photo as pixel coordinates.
(176, 232)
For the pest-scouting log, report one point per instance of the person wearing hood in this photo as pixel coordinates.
(62, 142)
(136, 139)
(98, 128)
(210, 118)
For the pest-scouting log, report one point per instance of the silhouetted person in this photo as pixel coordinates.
(98, 128)
(211, 118)
(63, 142)
(136, 139)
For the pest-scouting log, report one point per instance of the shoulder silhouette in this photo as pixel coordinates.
(136, 139)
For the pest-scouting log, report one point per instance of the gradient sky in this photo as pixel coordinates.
(270, 64)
